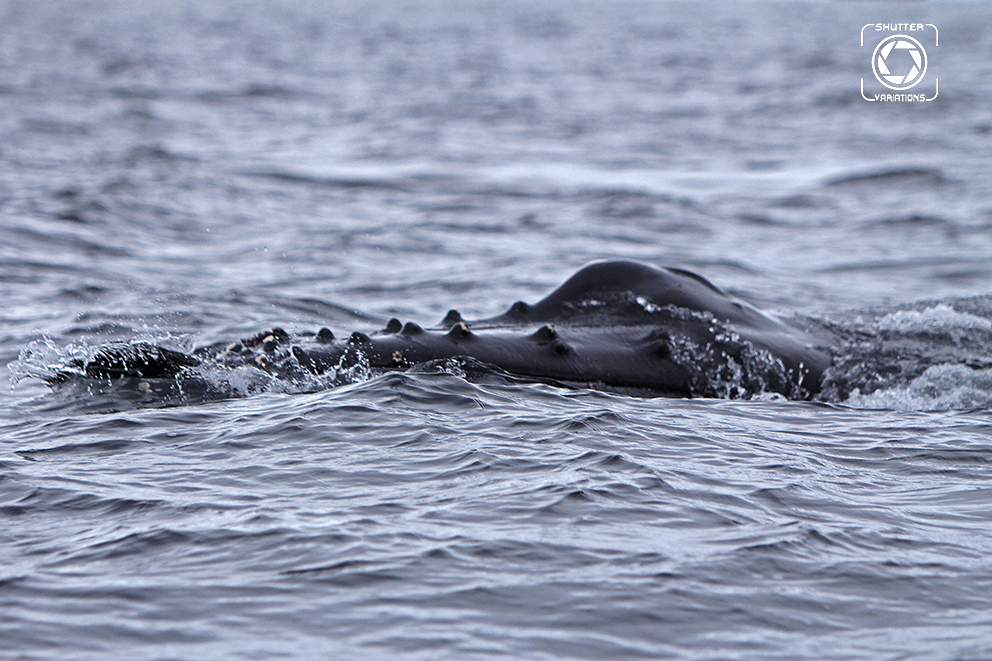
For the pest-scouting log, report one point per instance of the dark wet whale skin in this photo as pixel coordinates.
(617, 325)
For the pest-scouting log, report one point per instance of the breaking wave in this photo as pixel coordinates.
(931, 356)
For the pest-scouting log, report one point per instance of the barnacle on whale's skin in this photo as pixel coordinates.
(661, 331)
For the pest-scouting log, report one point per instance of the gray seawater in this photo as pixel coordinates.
(190, 172)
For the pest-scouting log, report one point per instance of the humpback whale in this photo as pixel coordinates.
(614, 325)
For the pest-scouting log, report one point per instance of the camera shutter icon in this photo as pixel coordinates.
(899, 62)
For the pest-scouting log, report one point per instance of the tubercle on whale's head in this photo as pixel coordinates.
(410, 328)
(459, 331)
(519, 309)
(545, 334)
(358, 338)
(453, 317)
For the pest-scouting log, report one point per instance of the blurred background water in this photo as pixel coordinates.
(199, 171)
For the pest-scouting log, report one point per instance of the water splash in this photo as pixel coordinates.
(939, 388)
(941, 319)
(728, 367)
(931, 356)
(44, 358)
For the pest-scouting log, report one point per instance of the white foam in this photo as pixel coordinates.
(940, 319)
(646, 304)
(940, 388)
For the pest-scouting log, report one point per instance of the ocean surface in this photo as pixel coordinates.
(193, 172)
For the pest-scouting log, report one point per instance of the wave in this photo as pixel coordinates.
(345, 182)
(886, 178)
(942, 387)
(929, 356)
